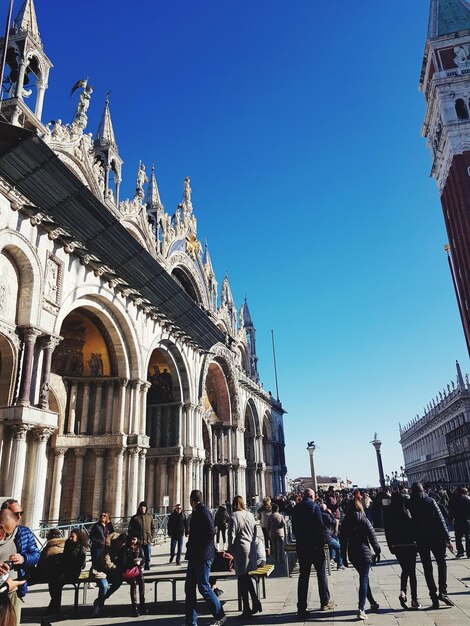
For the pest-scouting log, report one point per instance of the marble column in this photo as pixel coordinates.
(132, 481)
(150, 490)
(17, 461)
(120, 415)
(97, 416)
(38, 469)
(85, 408)
(20, 82)
(134, 407)
(162, 481)
(72, 409)
(41, 88)
(116, 511)
(29, 339)
(109, 407)
(49, 347)
(177, 481)
(141, 480)
(77, 483)
(209, 488)
(56, 490)
(98, 482)
(143, 407)
(188, 482)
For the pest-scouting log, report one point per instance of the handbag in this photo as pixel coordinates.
(131, 572)
(223, 562)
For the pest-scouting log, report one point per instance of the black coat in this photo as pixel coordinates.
(428, 524)
(201, 535)
(307, 525)
(460, 509)
(357, 535)
(399, 530)
(177, 525)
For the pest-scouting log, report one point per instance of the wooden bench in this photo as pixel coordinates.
(260, 574)
(290, 548)
(180, 575)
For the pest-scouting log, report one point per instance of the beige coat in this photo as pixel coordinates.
(242, 541)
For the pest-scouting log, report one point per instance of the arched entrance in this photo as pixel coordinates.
(218, 411)
(166, 375)
(253, 466)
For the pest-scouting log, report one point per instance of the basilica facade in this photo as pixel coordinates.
(126, 371)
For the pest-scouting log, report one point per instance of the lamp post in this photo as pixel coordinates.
(377, 443)
(311, 447)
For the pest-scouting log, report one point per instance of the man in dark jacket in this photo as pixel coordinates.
(309, 532)
(431, 535)
(200, 554)
(177, 529)
(141, 526)
(459, 511)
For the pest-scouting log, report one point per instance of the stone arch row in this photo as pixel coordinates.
(101, 421)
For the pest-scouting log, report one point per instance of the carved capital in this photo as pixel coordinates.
(133, 451)
(117, 452)
(80, 452)
(60, 451)
(20, 431)
(29, 334)
(42, 434)
(123, 382)
(99, 452)
(142, 453)
(51, 342)
(135, 384)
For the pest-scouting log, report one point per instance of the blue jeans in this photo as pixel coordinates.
(335, 551)
(307, 558)
(198, 574)
(146, 549)
(176, 541)
(363, 570)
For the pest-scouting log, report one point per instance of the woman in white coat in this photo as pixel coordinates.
(242, 546)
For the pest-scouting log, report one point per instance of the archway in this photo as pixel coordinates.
(251, 452)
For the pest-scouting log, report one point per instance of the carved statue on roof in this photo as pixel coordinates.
(142, 178)
(187, 191)
(80, 118)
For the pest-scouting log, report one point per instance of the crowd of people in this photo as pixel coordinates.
(335, 525)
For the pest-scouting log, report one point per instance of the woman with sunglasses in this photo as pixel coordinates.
(98, 534)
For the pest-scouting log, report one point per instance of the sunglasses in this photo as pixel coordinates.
(18, 513)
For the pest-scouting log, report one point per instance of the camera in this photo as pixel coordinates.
(10, 564)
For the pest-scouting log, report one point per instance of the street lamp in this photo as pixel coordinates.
(311, 447)
(377, 443)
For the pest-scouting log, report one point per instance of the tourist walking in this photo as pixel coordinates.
(309, 532)
(263, 513)
(400, 537)
(357, 535)
(242, 546)
(432, 536)
(277, 533)
(221, 522)
(459, 512)
(141, 526)
(200, 554)
(98, 534)
(177, 529)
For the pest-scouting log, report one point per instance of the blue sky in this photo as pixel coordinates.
(299, 125)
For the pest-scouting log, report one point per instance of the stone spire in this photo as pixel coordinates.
(245, 314)
(152, 197)
(26, 20)
(105, 132)
(106, 150)
(448, 16)
(460, 382)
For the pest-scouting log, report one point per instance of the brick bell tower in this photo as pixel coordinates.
(445, 82)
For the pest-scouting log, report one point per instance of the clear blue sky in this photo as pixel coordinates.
(299, 125)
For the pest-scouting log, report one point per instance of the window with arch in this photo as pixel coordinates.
(461, 109)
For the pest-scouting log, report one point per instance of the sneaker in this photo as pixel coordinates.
(443, 597)
(361, 614)
(415, 605)
(219, 622)
(435, 603)
(329, 606)
(402, 599)
(340, 567)
(459, 555)
(218, 592)
(374, 607)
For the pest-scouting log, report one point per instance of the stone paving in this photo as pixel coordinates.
(279, 608)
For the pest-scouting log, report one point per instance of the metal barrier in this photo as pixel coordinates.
(120, 525)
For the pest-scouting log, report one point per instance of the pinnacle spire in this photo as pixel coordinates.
(460, 382)
(26, 20)
(152, 197)
(246, 314)
(448, 16)
(105, 132)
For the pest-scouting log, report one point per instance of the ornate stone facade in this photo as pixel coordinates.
(106, 399)
(436, 446)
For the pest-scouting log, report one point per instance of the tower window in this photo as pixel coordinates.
(461, 109)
